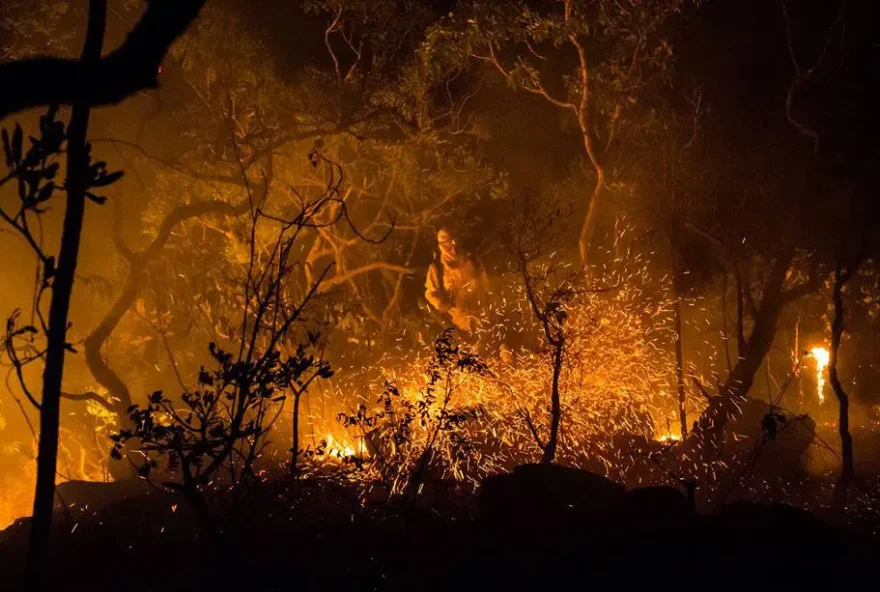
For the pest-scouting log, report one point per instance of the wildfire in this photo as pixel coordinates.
(614, 386)
(342, 450)
(669, 438)
(822, 357)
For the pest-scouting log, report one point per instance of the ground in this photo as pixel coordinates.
(533, 527)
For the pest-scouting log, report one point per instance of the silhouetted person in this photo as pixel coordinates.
(456, 285)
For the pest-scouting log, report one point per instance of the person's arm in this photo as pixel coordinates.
(434, 292)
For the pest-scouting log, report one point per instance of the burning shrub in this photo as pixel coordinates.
(614, 383)
(416, 432)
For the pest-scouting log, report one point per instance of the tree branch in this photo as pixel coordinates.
(134, 66)
(347, 276)
(89, 396)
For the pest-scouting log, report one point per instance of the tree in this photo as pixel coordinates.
(671, 137)
(773, 264)
(241, 102)
(83, 83)
(842, 275)
(615, 53)
(36, 188)
(855, 249)
(220, 433)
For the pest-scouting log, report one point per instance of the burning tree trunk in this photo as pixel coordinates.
(78, 184)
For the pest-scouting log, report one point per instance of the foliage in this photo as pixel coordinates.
(35, 171)
(222, 426)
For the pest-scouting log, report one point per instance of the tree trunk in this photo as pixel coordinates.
(588, 230)
(120, 396)
(294, 451)
(62, 288)
(138, 262)
(709, 430)
(555, 407)
(846, 443)
(679, 361)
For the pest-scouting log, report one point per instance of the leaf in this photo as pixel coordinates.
(50, 171)
(29, 329)
(98, 199)
(49, 269)
(45, 192)
(7, 150)
(103, 180)
(17, 141)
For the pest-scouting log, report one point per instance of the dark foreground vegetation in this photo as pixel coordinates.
(539, 526)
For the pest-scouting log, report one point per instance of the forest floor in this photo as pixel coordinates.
(538, 527)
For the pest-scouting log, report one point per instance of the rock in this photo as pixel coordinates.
(657, 508)
(94, 495)
(755, 523)
(539, 498)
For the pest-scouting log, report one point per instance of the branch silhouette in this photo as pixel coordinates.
(134, 66)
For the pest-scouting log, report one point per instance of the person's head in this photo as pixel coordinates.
(447, 242)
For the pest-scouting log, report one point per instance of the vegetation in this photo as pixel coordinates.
(674, 202)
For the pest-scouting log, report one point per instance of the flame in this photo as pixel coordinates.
(822, 357)
(341, 450)
(669, 438)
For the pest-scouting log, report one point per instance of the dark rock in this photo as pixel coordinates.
(657, 508)
(539, 498)
(90, 495)
(755, 523)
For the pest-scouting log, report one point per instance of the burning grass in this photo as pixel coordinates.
(615, 386)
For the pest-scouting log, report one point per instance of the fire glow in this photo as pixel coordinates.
(822, 358)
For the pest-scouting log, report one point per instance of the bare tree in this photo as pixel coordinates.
(549, 287)
(220, 433)
(843, 273)
(618, 52)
